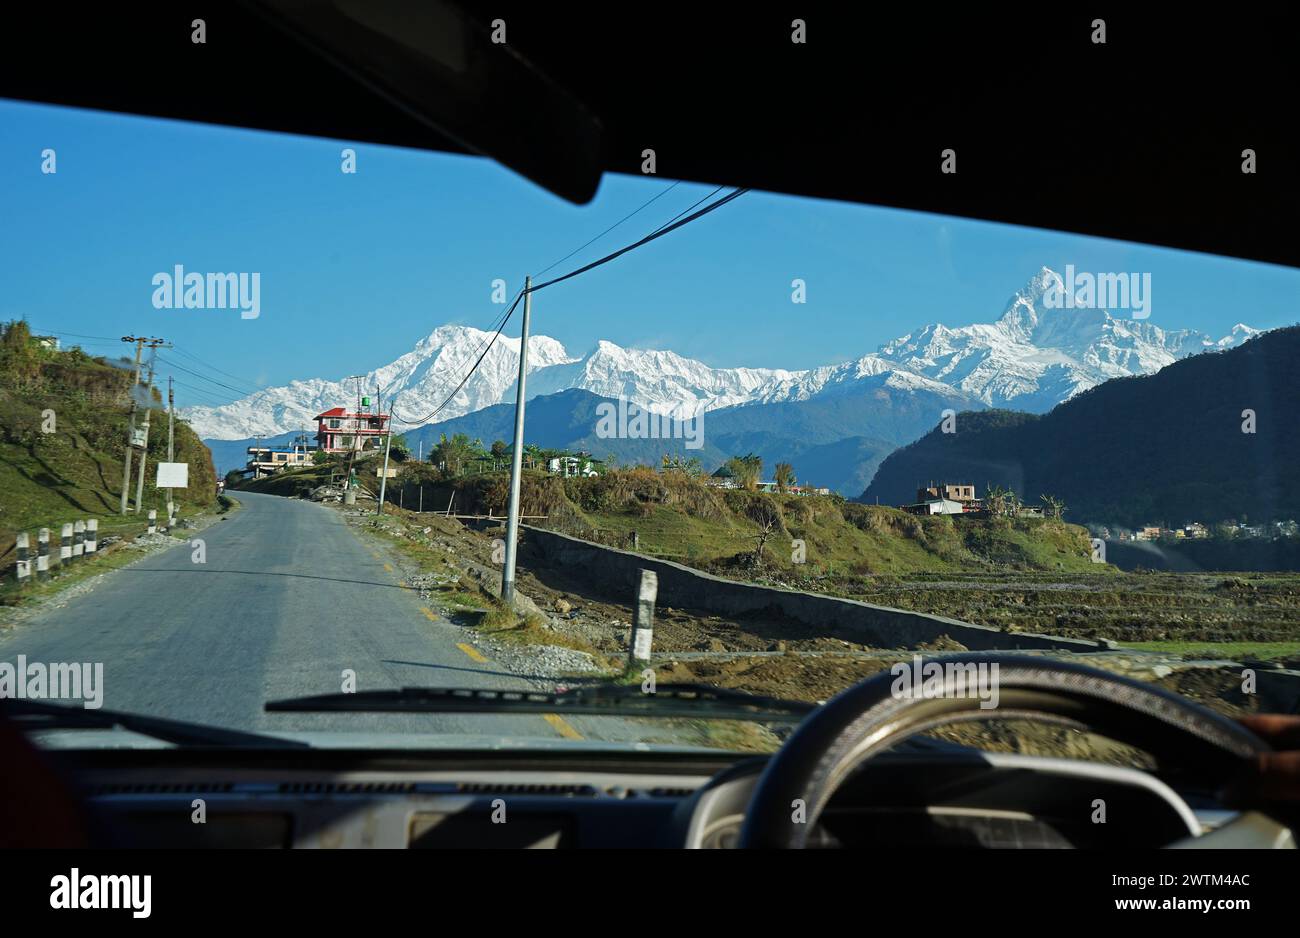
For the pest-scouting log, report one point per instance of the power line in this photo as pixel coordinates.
(505, 319)
(499, 326)
(692, 207)
(76, 335)
(611, 228)
(211, 396)
(202, 377)
(212, 367)
(658, 233)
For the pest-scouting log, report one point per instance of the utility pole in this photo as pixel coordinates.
(388, 445)
(144, 444)
(516, 458)
(356, 437)
(171, 447)
(130, 432)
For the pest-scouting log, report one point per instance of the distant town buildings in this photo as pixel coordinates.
(1194, 530)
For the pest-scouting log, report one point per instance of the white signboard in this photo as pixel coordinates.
(173, 475)
(140, 436)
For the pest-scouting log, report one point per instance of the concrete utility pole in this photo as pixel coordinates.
(171, 446)
(516, 458)
(130, 430)
(388, 445)
(356, 436)
(144, 446)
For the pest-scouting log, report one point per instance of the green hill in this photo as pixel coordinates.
(74, 471)
(681, 518)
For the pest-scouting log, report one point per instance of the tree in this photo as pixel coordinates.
(1053, 507)
(784, 474)
(747, 470)
(453, 454)
(767, 515)
(499, 449)
(675, 462)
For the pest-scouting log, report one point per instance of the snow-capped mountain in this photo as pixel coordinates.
(1036, 356)
(664, 382)
(1031, 358)
(419, 381)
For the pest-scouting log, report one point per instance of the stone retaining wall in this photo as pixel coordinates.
(683, 587)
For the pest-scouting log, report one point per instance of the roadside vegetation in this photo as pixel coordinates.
(677, 516)
(63, 425)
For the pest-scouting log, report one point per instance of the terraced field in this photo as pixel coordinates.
(1151, 609)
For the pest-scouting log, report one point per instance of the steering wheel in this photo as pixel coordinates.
(871, 716)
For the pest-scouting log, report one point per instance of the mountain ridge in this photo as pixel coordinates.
(1205, 439)
(987, 364)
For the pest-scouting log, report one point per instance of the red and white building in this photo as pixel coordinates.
(340, 431)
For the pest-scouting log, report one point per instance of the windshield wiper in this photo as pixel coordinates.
(669, 700)
(32, 715)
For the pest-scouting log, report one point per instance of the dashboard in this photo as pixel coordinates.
(553, 800)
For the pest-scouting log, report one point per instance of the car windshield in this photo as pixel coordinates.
(270, 434)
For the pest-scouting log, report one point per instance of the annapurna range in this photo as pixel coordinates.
(1034, 356)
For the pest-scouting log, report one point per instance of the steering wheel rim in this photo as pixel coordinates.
(872, 716)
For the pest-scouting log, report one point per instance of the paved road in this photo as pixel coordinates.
(288, 598)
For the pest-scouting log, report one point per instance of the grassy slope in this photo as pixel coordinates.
(75, 472)
(683, 519)
(1024, 575)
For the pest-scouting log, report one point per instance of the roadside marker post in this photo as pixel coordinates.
(78, 540)
(643, 619)
(92, 536)
(153, 520)
(43, 554)
(24, 563)
(65, 545)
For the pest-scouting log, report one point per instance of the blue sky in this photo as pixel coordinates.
(356, 268)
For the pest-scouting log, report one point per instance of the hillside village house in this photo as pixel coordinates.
(338, 431)
(965, 492)
(263, 460)
(570, 466)
(944, 499)
(936, 506)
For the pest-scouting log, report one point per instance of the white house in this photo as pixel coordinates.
(570, 466)
(941, 506)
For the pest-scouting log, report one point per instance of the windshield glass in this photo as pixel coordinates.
(259, 422)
